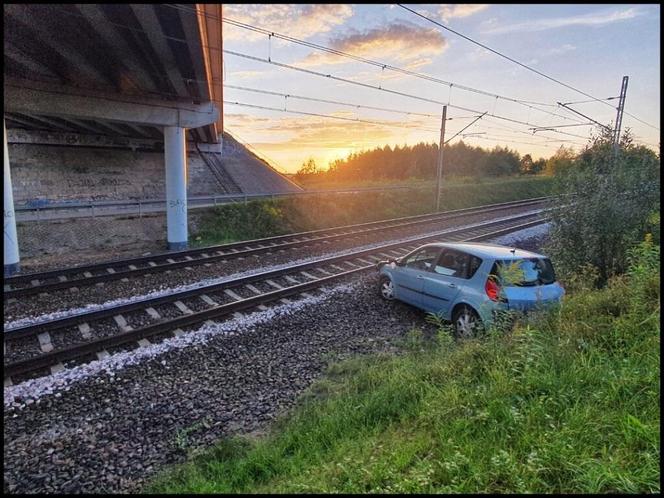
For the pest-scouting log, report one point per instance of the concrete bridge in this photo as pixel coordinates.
(142, 71)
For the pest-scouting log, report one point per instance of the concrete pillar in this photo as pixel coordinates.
(175, 152)
(11, 241)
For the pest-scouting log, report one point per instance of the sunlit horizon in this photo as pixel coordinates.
(589, 47)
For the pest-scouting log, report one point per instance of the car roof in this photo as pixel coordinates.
(495, 251)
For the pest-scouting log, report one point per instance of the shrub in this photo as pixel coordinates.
(604, 203)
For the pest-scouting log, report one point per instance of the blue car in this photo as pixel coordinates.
(470, 284)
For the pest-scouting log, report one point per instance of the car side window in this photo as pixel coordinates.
(455, 264)
(422, 259)
(475, 263)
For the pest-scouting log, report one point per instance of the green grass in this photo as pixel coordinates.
(566, 403)
(324, 184)
(267, 218)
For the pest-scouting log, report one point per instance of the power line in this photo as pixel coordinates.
(510, 141)
(544, 142)
(493, 137)
(498, 53)
(594, 99)
(529, 134)
(561, 132)
(641, 121)
(237, 23)
(545, 128)
(358, 106)
(367, 85)
(383, 66)
(254, 106)
(329, 116)
(588, 101)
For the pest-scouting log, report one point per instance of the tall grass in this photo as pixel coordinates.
(566, 403)
(266, 218)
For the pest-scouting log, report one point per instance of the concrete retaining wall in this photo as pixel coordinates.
(60, 173)
(147, 233)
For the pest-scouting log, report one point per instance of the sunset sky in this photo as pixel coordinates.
(589, 47)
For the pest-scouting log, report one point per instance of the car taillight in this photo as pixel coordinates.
(492, 289)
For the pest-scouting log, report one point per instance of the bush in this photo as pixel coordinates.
(603, 206)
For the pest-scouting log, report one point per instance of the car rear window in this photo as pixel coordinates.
(524, 272)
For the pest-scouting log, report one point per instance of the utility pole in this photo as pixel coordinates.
(619, 116)
(440, 158)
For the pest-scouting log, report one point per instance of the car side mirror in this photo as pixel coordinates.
(398, 262)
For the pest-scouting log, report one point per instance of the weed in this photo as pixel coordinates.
(181, 440)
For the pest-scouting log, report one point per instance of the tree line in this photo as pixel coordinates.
(420, 161)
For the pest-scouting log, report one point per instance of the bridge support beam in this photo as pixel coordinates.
(11, 241)
(175, 155)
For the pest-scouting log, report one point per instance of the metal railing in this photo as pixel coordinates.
(81, 209)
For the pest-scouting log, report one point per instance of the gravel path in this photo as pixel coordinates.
(113, 430)
(63, 300)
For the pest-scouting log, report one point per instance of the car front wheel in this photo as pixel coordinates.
(386, 288)
(467, 323)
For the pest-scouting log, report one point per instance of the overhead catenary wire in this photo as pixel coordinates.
(349, 104)
(493, 139)
(380, 89)
(594, 99)
(451, 105)
(255, 106)
(381, 65)
(193, 11)
(367, 85)
(504, 127)
(329, 116)
(196, 80)
(544, 140)
(589, 101)
(544, 128)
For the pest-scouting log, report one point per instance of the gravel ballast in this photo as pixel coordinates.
(113, 428)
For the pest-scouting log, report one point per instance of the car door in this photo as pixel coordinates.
(409, 277)
(445, 281)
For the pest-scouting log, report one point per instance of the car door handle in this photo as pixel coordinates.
(420, 277)
(453, 286)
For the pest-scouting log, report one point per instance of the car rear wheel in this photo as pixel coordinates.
(386, 288)
(467, 323)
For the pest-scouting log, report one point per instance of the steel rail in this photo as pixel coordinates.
(79, 351)
(14, 333)
(200, 256)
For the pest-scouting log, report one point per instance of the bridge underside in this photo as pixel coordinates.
(150, 51)
(123, 72)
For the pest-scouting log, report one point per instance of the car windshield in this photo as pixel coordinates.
(525, 272)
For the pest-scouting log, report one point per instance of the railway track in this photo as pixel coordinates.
(79, 276)
(53, 345)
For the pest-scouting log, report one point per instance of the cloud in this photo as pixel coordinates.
(399, 41)
(451, 10)
(299, 21)
(592, 19)
(243, 75)
(560, 50)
